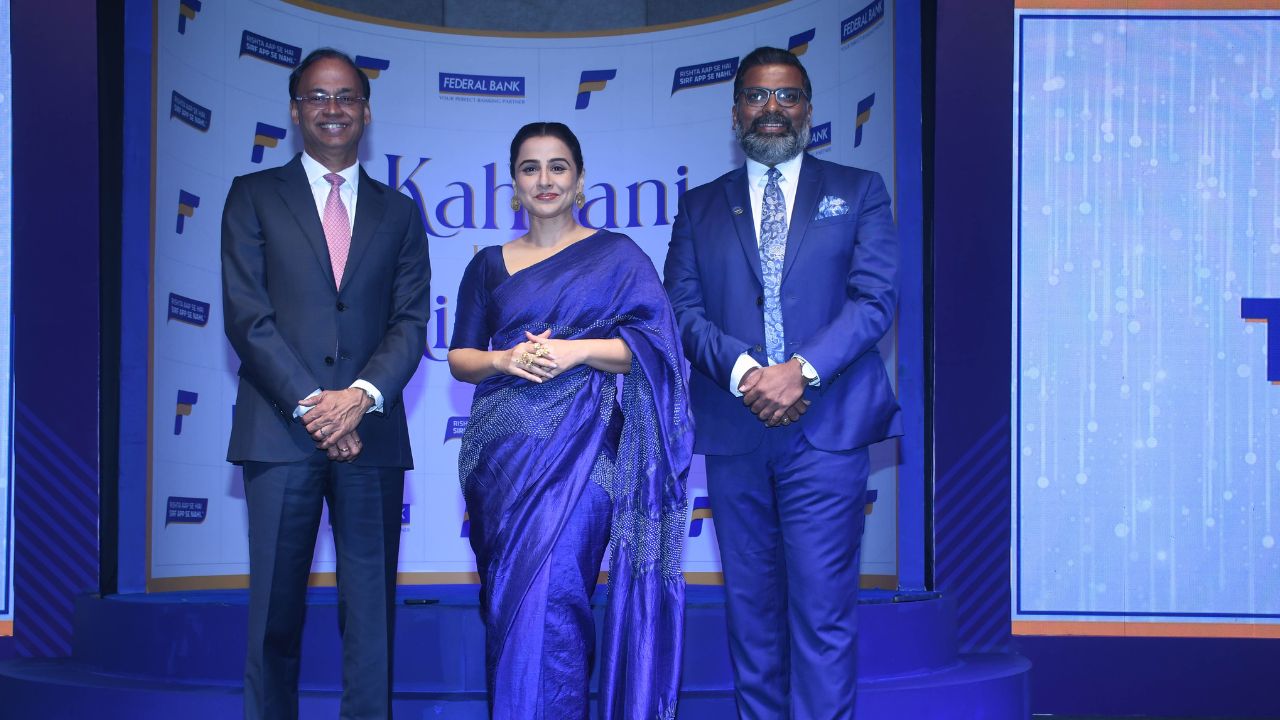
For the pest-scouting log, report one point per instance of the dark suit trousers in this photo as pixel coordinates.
(789, 521)
(284, 502)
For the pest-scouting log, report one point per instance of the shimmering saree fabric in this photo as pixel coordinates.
(533, 463)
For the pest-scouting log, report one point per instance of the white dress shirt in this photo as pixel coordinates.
(349, 191)
(757, 179)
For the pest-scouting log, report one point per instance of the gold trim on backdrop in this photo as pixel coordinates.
(870, 581)
(1147, 4)
(704, 578)
(6, 628)
(372, 20)
(1145, 629)
(879, 582)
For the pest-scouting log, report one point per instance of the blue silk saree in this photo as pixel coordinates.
(553, 471)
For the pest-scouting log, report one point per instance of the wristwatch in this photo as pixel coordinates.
(806, 371)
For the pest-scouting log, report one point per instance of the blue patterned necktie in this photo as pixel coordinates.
(773, 248)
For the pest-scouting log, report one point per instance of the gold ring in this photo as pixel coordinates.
(540, 350)
(526, 359)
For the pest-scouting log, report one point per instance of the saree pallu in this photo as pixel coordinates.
(529, 460)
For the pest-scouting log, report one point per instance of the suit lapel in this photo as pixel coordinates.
(739, 198)
(370, 203)
(297, 196)
(807, 191)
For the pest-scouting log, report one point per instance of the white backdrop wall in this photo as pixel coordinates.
(652, 110)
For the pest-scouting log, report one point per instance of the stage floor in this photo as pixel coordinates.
(182, 653)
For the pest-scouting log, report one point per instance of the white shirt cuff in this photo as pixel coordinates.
(302, 409)
(368, 387)
(744, 363)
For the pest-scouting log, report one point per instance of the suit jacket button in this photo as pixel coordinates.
(341, 307)
(759, 301)
(329, 360)
(757, 348)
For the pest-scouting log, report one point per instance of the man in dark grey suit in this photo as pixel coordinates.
(325, 282)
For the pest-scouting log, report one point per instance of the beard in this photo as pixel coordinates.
(771, 149)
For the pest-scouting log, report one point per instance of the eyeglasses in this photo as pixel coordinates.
(759, 97)
(319, 101)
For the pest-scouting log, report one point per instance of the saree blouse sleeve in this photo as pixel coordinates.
(471, 311)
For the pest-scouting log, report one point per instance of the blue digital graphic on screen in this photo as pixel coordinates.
(1147, 212)
(6, 385)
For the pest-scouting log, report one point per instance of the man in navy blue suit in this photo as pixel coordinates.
(325, 281)
(782, 273)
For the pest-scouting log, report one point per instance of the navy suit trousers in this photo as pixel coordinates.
(789, 521)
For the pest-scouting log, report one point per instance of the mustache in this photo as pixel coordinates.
(772, 119)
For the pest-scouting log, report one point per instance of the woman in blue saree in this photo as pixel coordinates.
(558, 461)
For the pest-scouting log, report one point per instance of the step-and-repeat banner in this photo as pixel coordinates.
(652, 110)
(1147, 266)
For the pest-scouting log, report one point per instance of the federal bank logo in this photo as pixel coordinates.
(711, 73)
(482, 87)
(186, 310)
(819, 137)
(1266, 310)
(187, 10)
(265, 136)
(268, 50)
(592, 81)
(185, 510)
(190, 112)
(372, 66)
(864, 115)
(701, 511)
(404, 515)
(799, 43)
(186, 399)
(187, 204)
(861, 22)
(872, 496)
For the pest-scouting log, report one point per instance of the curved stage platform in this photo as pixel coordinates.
(182, 654)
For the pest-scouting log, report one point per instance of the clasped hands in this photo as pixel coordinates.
(539, 357)
(775, 393)
(332, 421)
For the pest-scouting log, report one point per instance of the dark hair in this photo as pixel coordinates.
(325, 53)
(770, 56)
(560, 131)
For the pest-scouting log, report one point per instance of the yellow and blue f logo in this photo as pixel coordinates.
(372, 66)
(592, 81)
(701, 511)
(266, 136)
(864, 114)
(187, 10)
(799, 43)
(187, 204)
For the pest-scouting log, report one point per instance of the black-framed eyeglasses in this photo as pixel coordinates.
(318, 100)
(759, 96)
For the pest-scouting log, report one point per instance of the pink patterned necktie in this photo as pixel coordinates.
(337, 228)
